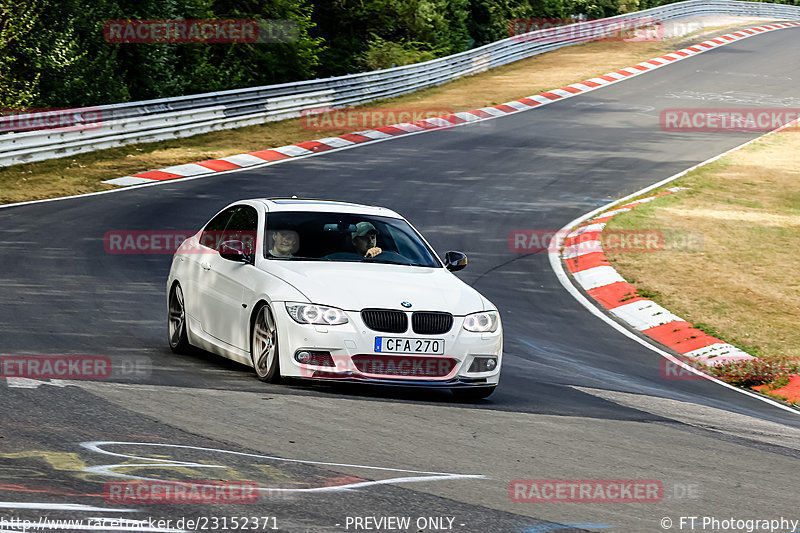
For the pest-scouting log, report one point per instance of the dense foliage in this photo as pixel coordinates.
(54, 53)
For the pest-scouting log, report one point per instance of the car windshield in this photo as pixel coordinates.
(344, 237)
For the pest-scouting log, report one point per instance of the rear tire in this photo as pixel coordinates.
(264, 346)
(477, 393)
(176, 321)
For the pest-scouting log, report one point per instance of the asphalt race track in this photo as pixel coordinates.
(577, 399)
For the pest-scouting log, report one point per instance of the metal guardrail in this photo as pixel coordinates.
(168, 118)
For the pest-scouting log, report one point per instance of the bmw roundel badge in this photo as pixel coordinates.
(406, 304)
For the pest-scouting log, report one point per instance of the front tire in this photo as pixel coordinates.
(264, 346)
(176, 321)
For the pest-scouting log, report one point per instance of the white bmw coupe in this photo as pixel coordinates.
(329, 290)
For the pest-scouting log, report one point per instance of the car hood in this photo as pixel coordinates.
(356, 286)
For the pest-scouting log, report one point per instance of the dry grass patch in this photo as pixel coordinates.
(85, 172)
(534, 75)
(743, 282)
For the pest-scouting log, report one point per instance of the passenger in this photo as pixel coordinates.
(284, 243)
(365, 239)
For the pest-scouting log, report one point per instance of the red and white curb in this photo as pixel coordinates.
(307, 148)
(596, 217)
(584, 258)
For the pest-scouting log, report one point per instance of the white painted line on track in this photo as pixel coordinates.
(28, 383)
(97, 446)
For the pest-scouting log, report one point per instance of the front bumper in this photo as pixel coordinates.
(454, 383)
(348, 344)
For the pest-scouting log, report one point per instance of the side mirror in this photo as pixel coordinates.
(455, 261)
(235, 251)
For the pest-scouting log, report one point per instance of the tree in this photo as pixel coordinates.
(293, 56)
(54, 53)
(35, 41)
(357, 31)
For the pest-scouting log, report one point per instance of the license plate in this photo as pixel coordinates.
(406, 345)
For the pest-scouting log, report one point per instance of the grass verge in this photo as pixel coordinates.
(737, 278)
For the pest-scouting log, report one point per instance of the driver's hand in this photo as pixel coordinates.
(372, 252)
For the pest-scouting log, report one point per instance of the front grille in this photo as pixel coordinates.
(430, 323)
(385, 320)
(404, 365)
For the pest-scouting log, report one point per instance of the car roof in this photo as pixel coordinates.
(328, 206)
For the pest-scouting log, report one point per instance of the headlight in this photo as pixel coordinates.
(481, 322)
(315, 314)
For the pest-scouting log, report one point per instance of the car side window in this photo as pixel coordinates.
(242, 226)
(212, 233)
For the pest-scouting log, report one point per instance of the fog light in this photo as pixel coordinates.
(483, 364)
(308, 357)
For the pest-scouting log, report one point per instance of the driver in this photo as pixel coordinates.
(365, 239)
(284, 243)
